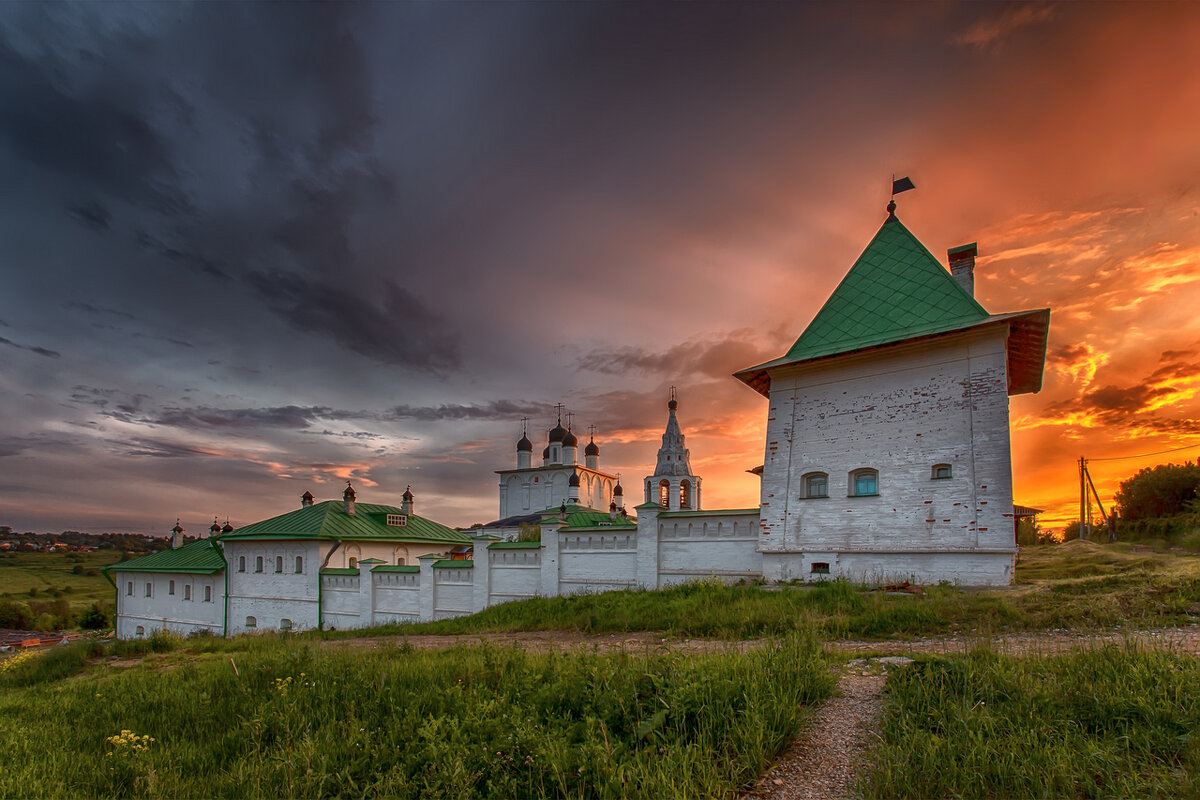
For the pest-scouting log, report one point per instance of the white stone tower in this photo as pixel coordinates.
(673, 485)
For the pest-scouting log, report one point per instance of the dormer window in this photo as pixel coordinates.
(397, 520)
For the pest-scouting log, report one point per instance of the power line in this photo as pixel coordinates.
(1145, 455)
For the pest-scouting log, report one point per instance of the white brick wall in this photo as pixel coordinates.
(900, 410)
(166, 610)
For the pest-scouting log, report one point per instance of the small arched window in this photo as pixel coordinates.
(129, 589)
(170, 587)
(208, 594)
(864, 482)
(941, 472)
(353, 562)
(685, 491)
(285, 624)
(279, 563)
(258, 563)
(251, 622)
(241, 563)
(299, 564)
(187, 591)
(816, 484)
(141, 631)
(664, 494)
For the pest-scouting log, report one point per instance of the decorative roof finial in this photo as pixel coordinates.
(898, 186)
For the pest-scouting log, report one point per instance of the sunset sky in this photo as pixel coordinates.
(248, 250)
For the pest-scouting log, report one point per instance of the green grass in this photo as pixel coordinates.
(1113, 722)
(296, 719)
(51, 590)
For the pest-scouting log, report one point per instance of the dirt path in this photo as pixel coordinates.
(1185, 639)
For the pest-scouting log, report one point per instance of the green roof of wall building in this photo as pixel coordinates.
(201, 557)
(597, 519)
(515, 546)
(329, 520)
(897, 291)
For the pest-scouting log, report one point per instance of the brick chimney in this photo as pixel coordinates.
(348, 498)
(406, 501)
(962, 265)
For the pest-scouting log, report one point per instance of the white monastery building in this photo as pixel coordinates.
(887, 459)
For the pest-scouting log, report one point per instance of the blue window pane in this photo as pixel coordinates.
(864, 484)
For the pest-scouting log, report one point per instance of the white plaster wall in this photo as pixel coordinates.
(387, 552)
(453, 591)
(899, 410)
(964, 569)
(597, 561)
(515, 574)
(702, 545)
(163, 610)
(397, 597)
(270, 596)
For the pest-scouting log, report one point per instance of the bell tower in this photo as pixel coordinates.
(673, 486)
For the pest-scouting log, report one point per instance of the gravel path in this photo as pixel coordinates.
(822, 763)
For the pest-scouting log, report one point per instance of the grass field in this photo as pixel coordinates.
(56, 587)
(1114, 722)
(278, 717)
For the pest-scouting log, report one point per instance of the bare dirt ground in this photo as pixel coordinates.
(1184, 639)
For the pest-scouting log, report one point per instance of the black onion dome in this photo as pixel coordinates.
(546, 452)
(574, 479)
(524, 445)
(619, 490)
(673, 404)
(592, 449)
(215, 527)
(557, 433)
(226, 528)
(569, 440)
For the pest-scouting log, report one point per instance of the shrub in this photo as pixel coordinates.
(15, 615)
(1163, 491)
(94, 618)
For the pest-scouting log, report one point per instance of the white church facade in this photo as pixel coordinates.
(886, 459)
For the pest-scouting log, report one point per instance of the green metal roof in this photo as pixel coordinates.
(597, 519)
(396, 568)
(515, 546)
(329, 520)
(201, 557)
(339, 571)
(448, 563)
(898, 291)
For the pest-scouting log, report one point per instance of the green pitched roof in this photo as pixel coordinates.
(514, 546)
(202, 557)
(597, 519)
(329, 520)
(897, 291)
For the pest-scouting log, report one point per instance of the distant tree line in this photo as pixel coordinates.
(133, 543)
(1162, 491)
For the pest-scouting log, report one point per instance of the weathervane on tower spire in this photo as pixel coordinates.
(898, 186)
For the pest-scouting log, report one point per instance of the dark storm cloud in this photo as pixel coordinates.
(494, 410)
(717, 359)
(77, 305)
(293, 417)
(41, 351)
(390, 324)
(93, 214)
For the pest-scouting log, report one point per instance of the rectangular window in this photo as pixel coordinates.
(299, 564)
(149, 589)
(171, 587)
(820, 568)
(866, 483)
(397, 520)
(941, 472)
(187, 591)
(129, 589)
(241, 563)
(258, 564)
(278, 564)
(208, 594)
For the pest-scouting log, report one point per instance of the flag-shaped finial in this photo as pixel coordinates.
(898, 186)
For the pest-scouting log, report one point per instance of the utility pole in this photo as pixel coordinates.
(1082, 501)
